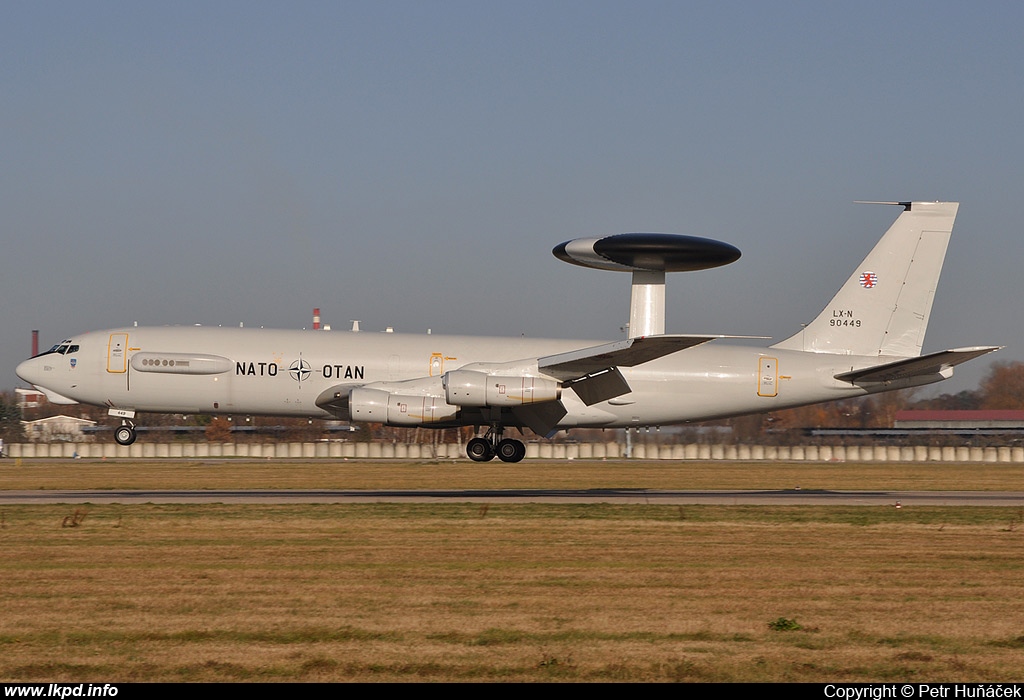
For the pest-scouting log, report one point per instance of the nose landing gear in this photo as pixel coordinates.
(125, 433)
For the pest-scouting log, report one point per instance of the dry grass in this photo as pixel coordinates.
(508, 592)
(449, 474)
(444, 592)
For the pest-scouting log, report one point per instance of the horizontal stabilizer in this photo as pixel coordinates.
(935, 363)
(624, 353)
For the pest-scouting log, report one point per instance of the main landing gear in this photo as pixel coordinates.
(483, 449)
(125, 433)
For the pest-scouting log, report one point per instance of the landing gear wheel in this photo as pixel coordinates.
(511, 450)
(125, 435)
(479, 450)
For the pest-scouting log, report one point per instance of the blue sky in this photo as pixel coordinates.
(412, 164)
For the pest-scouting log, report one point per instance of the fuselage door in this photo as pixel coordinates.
(437, 363)
(767, 376)
(117, 353)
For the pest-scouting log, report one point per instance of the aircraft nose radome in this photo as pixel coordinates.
(29, 371)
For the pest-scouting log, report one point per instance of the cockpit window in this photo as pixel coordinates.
(65, 347)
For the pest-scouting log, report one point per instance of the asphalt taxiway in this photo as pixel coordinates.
(787, 497)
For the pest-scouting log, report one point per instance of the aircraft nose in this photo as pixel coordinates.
(31, 371)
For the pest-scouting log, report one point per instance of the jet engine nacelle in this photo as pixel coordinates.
(378, 406)
(465, 387)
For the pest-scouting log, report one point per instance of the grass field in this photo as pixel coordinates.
(461, 592)
(529, 474)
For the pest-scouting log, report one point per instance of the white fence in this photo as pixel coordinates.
(610, 450)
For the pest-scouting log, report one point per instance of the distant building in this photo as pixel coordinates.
(953, 427)
(962, 422)
(29, 398)
(57, 429)
(989, 421)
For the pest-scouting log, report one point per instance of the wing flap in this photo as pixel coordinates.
(599, 386)
(934, 363)
(577, 364)
(541, 418)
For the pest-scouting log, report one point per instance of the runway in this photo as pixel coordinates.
(788, 497)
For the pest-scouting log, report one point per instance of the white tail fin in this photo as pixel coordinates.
(884, 306)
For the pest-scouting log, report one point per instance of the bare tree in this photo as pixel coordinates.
(1003, 387)
(11, 429)
(218, 430)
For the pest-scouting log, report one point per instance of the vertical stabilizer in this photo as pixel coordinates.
(884, 306)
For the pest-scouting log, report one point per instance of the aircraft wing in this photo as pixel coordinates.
(593, 372)
(935, 363)
(623, 353)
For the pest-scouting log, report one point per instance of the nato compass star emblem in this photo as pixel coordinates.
(299, 370)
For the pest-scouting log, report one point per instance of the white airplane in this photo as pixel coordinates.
(867, 340)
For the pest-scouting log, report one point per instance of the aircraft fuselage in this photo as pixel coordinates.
(278, 372)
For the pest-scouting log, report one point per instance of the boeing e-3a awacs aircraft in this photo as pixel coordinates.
(867, 340)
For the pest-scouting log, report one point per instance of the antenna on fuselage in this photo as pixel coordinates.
(648, 256)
